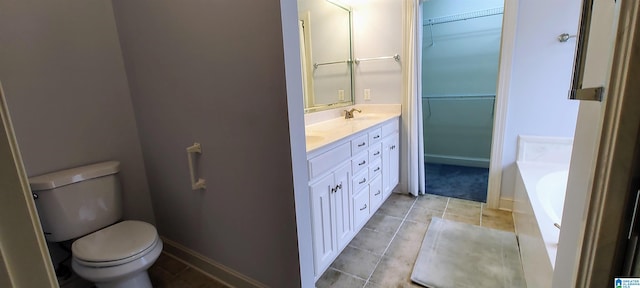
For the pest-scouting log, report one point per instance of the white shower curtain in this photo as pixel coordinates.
(412, 108)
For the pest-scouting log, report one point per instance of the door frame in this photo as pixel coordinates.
(604, 244)
(507, 46)
(25, 259)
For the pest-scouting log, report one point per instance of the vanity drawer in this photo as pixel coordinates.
(360, 181)
(329, 160)
(360, 162)
(390, 127)
(375, 135)
(359, 144)
(375, 169)
(375, 152)
(375, 193)
(360, 208)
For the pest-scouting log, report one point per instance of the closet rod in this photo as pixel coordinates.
(463, 16)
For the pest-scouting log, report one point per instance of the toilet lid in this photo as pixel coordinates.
(119, 241)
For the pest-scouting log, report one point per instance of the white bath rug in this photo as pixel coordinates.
(459, 255)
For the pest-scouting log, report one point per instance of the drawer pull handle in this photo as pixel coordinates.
(377, 193)
(362, 144)
(376, 170)
(338, 187)
(365, 207)
(333, 190)
(362, 163)
(363, 180)
(377, 153)
(376, 137)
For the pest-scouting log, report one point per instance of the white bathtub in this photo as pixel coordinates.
(539, 199)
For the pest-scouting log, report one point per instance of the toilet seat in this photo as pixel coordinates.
(115, 245)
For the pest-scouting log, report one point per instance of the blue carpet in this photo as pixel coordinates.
(461, 182)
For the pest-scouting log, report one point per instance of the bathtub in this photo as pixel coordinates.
(538, 202)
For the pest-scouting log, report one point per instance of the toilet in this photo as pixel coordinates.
(86, 202)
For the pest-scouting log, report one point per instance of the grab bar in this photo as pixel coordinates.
(201, 183)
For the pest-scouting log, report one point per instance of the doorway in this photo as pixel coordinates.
(461, 52)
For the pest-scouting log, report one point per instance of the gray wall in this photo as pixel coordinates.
(66, 88)
(213, 72)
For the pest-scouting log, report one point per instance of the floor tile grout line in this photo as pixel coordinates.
(446, 206)
(481, 213)
(363, 250)
(391, 241)
(348, 274)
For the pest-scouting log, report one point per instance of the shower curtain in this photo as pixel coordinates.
(412, 108)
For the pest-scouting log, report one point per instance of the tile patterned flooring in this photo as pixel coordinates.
(166, 272)
(381, 255)
(384, 251)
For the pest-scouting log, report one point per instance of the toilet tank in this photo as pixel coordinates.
(77, 201)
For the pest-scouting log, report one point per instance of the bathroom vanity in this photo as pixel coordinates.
(353, 168)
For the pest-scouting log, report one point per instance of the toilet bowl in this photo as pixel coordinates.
(84, 203)
(117, 256)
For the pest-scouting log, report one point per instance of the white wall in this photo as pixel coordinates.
(540, 78)
(377, 31)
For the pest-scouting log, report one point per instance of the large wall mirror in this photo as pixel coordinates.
(325, 49)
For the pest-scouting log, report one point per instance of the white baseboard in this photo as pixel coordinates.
(456, 160)
(214, 269)
(506, 204)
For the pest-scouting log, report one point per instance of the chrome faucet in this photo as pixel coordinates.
(348, 114)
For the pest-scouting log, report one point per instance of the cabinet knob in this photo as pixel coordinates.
(376, 170)
(362, 144)
(363, 180)
(377, 193)
(365, 207)
(362, 163)
(376, 137)
(339, 186)
(377, 153)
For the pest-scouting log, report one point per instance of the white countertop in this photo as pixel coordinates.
(322, 133)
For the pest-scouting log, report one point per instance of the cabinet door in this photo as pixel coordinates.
(394, 162)
(344, 223)
(375, 194)
(322, 222)
(361, 207)
(390, 163)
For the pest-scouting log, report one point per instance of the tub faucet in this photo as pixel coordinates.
(348, 114)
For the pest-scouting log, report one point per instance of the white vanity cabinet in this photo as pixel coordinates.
(349, 179)
(390, 158)
(331, 217)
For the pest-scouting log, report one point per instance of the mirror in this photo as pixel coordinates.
(325, 51)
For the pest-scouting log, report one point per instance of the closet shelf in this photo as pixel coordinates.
(464, 16)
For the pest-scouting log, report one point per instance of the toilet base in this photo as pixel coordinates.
(129, 275)
(139, 280)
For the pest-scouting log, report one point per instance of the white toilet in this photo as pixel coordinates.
(87, 200)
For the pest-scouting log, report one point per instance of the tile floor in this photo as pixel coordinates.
(384, 251)
(166, 272)
(169, 272)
